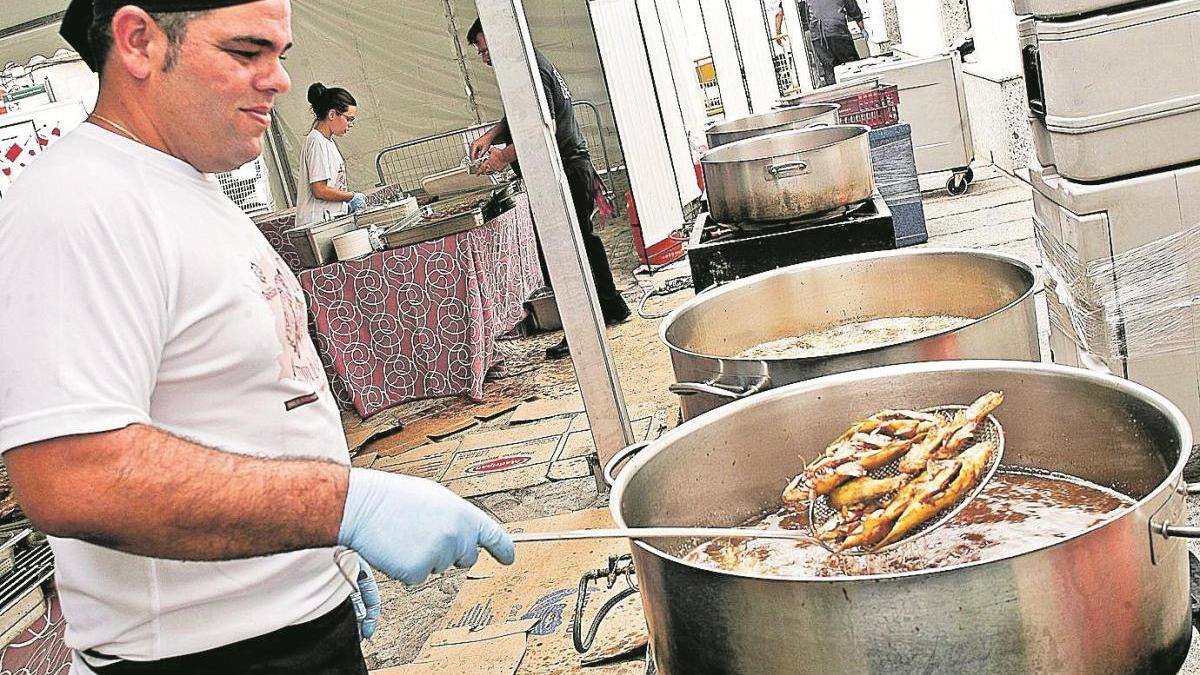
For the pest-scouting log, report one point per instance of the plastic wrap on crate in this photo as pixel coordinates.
(1137, 303)
(894, 165)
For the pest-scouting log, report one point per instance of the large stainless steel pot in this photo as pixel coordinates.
(789, 174)
(704, 334)
(1110, 599)
(798, 117)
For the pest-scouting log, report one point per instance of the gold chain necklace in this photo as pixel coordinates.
(120, 129)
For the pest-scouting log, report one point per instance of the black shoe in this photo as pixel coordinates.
(620, 315)
(559, 350)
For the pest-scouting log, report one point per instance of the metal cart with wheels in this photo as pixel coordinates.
(959, 181)
(933, 101)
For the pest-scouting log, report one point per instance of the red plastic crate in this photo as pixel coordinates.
(879, 117)
(878, 96)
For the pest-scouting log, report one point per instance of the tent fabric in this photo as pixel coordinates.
(16, 12)
(401, 61)
(20, 48)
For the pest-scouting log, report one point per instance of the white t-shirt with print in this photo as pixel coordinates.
(134, 291)
(320, 161)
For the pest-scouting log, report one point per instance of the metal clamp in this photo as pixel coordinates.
(713, 388)
(619, 567)
(624, 454)
(787, 169)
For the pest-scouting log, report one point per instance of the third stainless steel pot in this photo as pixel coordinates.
(799, 117)
(787, 175)
(994, 290)
(1109, 598)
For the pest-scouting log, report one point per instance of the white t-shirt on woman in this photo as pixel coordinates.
(320, 161)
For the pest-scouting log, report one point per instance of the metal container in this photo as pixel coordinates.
(1095, 117)
(1059, 9)
(798, 117)
(703, 335)
(789, 174)
(1112, 598)
(542, 311)
(314, 243)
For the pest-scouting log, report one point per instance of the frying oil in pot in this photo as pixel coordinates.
(1017, 511)
(853, 336)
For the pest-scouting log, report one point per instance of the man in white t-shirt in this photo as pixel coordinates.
(163, 413)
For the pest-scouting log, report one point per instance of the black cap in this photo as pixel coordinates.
(81, 13)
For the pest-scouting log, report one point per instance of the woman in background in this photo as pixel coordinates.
(322, 191)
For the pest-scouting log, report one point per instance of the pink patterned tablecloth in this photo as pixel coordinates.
(273, 226)
(422, 321)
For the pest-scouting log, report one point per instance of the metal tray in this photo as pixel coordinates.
(314, 243)
(424, 229)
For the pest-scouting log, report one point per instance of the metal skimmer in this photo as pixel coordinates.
(820, 511)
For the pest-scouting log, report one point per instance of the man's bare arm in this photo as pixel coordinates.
(144, 491)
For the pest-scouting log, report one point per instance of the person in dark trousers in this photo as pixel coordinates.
(577, 164)
(831, 37)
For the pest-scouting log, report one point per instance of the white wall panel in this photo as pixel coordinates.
(633, 58)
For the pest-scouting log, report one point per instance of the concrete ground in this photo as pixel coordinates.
(995, 214)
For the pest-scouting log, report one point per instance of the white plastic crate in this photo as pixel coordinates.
(249, 186)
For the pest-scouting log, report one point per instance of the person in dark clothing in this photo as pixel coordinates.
(831, 37)
(577, 165)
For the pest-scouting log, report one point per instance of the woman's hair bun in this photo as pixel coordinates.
(316, 93)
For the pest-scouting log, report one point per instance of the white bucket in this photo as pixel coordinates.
(353, 244)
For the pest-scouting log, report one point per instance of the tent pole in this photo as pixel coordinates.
(469, 89)
(554, 214)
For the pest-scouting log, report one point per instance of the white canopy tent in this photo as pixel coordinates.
(407, 62)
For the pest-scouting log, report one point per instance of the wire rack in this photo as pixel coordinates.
(784, 63)
(249, 186)
(406, 163)
(32, 566)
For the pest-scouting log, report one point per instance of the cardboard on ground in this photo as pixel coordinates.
(542, 584)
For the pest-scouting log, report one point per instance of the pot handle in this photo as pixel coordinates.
(787, 169)
(1181, 531)
(725, 391)
(817, 125)
(624, 454)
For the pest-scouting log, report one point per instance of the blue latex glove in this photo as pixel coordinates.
(409, 528)
(358, 202)
(865, 34)
(365, 599)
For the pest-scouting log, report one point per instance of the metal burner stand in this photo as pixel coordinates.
(720, 253)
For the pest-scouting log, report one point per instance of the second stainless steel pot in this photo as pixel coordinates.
(704, 335)
(788, 175)
(798, 117)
